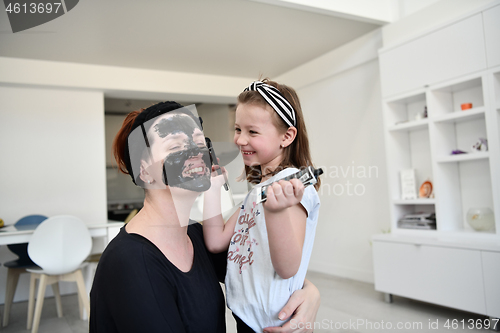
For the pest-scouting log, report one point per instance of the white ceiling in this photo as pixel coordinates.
(222, 37)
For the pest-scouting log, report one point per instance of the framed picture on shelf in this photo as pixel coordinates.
(408, 184)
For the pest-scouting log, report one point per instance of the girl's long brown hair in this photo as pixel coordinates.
(297, 154)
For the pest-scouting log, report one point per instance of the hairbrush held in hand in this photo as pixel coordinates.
(308, 176)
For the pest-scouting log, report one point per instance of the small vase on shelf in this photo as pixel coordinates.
(481, 219)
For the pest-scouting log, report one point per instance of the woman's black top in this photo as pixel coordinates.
(137, 289)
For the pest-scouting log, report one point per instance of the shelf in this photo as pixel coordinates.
(460, 116)
(410, 126)
(446, 102)
(420, 201)
(463, 157)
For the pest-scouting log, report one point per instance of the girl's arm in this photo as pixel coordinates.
(217, 235)
(303, 304)
(286, 225)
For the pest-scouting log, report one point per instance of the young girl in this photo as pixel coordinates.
(269, 243)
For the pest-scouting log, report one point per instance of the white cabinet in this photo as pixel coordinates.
(440, 271)
(453, 51)
(440, 275)
(491, 19)
(491, 268)
(452, 265)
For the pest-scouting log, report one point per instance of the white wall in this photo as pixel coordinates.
(52, 149)
(426, 19)
(408, 7)
(344, 119)
(345, 112)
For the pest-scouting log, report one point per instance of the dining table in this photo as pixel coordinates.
(11, 234)
(102, 234)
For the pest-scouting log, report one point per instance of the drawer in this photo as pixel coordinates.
(491, 269)
(446, 276)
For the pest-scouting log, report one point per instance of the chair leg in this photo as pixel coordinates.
(12, 279)
(31, 300)
(39, 302)
(57, 296)
(81, 290)
(89, 275)
(89, 279)
(81, 310)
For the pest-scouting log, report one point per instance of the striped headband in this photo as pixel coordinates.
(277, 101)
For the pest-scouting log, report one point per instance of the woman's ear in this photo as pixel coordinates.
(289, 136)
(145, 176)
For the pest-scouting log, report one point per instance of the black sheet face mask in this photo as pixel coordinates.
(176, 167)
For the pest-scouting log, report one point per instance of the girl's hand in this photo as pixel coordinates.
(216, 179)
(283, 194)
(304, 305)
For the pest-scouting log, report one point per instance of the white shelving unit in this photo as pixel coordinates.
(463, 181)
(408, 142)
(454, 265)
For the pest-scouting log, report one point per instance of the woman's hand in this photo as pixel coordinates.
(304, 305)
(283, 194)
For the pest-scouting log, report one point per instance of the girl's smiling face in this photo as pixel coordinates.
(257, 136)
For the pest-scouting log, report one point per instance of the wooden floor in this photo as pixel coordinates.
(346, 306)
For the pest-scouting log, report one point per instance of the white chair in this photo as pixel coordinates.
(59, 246)
(17, 267)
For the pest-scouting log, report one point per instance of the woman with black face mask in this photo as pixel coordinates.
(156, 275)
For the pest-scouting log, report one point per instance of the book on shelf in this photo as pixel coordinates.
(417, 225)
(425, 221)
